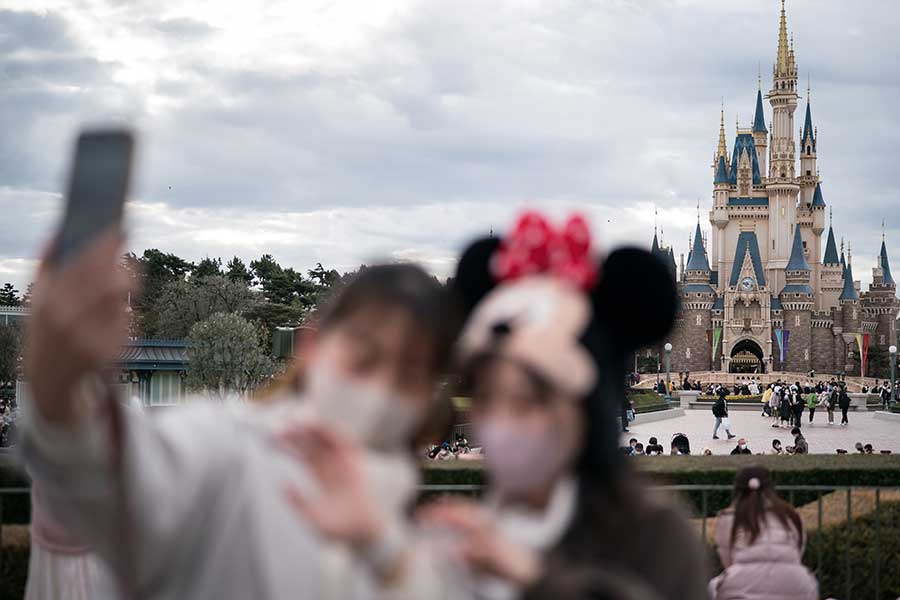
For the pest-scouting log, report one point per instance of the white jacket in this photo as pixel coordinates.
(206, 515)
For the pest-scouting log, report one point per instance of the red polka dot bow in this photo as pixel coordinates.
(535, 246)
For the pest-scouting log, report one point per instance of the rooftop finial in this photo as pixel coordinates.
(781, 63)
(808, 86)
(759, 75)
(698, 214)
(882, 229)
(830, 216)
(722, 149)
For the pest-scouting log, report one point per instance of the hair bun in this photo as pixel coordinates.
(754, 483)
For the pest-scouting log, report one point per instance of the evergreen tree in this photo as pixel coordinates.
(238, 271)
(9, 295)
(207, 268)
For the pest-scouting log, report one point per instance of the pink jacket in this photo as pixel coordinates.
(769, 569)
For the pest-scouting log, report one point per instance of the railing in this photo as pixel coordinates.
(706, 500)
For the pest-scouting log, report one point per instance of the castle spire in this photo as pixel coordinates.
(831, 255)
(759, 120)
(849, 292)
(797, 261)
(782, 62)
(722, 150)
(698, 261)
(885, 266)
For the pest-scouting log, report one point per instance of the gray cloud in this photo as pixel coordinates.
(437, 116)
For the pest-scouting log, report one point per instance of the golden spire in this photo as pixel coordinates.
(782, 63)
(723, 148)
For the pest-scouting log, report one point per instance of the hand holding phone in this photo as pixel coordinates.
(98, 187)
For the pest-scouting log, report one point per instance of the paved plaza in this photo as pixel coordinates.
(697, 424)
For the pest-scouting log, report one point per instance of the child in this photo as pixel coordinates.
(760, 540)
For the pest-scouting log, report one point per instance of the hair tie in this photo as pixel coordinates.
(754, 483)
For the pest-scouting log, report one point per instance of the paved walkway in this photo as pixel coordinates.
(697, 424)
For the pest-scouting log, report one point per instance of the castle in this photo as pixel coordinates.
(765, 298)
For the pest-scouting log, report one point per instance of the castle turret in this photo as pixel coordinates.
(697, 300)
(880, 303)
(808, 173)
(797, 302)
(850, 318)
(831, 272)
(760, 132)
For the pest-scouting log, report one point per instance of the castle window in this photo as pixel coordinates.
(808, 172)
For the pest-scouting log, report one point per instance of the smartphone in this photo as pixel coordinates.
(97, 190)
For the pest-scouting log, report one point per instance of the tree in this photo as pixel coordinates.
(226, 356)
(9, 295)
(182, 303)
(283, 286)
(10, 353)
(207, 268)
(238, 271)
(29, 292)
(153, 271)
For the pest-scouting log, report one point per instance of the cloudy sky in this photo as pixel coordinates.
(346, 132)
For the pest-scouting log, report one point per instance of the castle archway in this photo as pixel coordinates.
(746, 357)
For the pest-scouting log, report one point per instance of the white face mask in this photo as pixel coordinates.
(519, 461)
(375, 417)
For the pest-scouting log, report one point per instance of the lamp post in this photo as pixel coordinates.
(668, 348)
(893, 351)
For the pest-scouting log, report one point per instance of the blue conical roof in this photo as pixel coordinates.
(808, 132)
(843, 264)
(654, 249)
(721, 171)
(885, 267)
(697, 260)
(797, 262)
(759, 121)
(849, 291)
(831, 255)
(818, 200)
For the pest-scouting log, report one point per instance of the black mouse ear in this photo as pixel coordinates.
(473, 278)
(636, 299)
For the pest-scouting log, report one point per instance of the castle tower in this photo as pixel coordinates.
(831, 277)
(782, 187)
(797, 302)
(808, 173)
(880, 303)
(850, 320)
(697, 301)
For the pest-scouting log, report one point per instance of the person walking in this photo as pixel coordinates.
(812, 402)
(766, 397)
(830, 402)
(720, 412)
(785, 412)
(844, 403)
(775, 403)
(760, 540)
(797, 406)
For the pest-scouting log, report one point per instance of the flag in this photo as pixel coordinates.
(784, 350)
(717, 336)
(780, 339)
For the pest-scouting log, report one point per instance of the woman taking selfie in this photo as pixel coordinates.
(760, 540)
(201, 502)
(544, 353)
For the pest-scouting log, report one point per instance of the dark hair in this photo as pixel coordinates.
(752, 505)
(776, 441)
(795, 431)
(653, 441)
(408, 288)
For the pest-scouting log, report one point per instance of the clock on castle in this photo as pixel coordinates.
(761, 295)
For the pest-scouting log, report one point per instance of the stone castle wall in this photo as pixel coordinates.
(797, 356)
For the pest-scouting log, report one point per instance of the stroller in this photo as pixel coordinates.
(681, 443)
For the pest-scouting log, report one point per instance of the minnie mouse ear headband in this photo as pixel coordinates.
(542, 297)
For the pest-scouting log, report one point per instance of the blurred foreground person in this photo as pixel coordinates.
(60, 567)
(543, 354)
(760, 540)
(201, 502)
